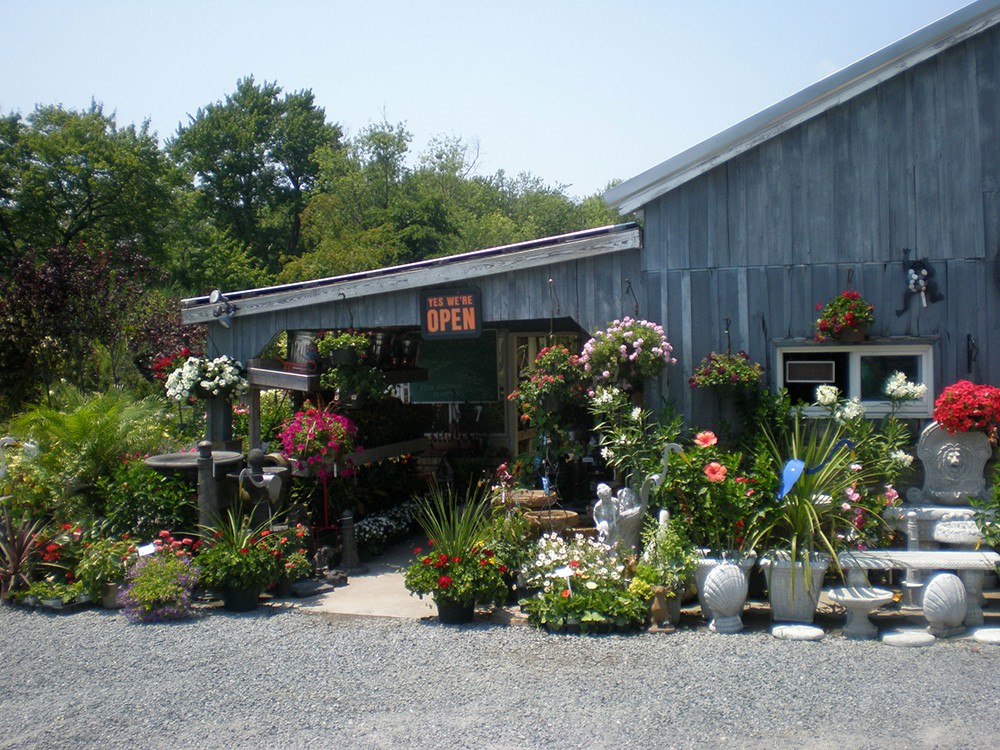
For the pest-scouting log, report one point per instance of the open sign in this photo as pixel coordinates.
(451, 313)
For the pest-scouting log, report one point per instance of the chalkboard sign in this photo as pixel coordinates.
(458, 370)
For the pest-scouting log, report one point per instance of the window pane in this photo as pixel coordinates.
(875, 370)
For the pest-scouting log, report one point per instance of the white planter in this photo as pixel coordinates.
(704, 567)
(792, 598)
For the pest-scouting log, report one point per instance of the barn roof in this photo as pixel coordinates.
(843, 85)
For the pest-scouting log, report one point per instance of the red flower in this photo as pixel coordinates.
(565, 593)
(444, 582)
(574, 564)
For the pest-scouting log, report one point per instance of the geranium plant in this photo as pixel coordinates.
(319, 440)
(965, 406)
(105, 561)
(237, 556)
(847, 311)
(165, 365)
(201, 377)
(291, 548)
(728, 370)
(627, 352)
(552, 398)
(456, 568)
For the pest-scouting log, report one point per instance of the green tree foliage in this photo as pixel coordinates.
(67, 176)
(251, 162)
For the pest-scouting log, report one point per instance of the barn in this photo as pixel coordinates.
(883, 179)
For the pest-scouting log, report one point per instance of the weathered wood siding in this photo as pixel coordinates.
(591, 291)
(831, 204)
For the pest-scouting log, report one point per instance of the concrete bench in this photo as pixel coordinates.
(969, 565)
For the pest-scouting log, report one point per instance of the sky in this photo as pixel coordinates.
(576, 92)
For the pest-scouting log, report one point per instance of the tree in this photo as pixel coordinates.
(67, 176)
(251, 160)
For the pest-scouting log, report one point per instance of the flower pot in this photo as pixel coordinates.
(725, 593)
(455, 613)
(705, 566)
(792, 597)
(664, 607)
(240, 600)
(111, 598)
(340, 357)
(556, 521)
(852, 335)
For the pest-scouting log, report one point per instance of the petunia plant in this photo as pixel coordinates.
(627, 352)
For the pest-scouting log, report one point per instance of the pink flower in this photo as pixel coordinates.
(715, 472)
(705, 439)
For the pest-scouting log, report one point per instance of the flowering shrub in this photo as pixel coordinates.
(551, 388)
(581, 582)
(319, 440)
(727, 371)
(164, 366)
(626, 352)
(200, 377)
(899, 390)
(848, 310)
(236, 556)
(709, 496)
(158, 586)
(965, 406)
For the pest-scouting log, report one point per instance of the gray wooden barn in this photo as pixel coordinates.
(844, 185)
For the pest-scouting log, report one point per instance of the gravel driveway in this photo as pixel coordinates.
(283, 678)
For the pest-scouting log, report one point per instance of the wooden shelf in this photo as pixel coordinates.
(269, 373)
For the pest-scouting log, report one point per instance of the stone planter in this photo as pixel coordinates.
(793, 598)
(705, 566)
(725, 594)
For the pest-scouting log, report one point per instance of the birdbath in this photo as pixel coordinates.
(859, 601)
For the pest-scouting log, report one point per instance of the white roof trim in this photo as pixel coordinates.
(451, 269)
(843, 85)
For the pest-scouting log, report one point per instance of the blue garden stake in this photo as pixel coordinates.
(796, 467)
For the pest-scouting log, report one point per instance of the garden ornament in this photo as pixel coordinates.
(796, 467)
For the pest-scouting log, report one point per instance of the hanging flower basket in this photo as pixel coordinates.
(846, 317)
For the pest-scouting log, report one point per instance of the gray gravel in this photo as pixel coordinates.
(280, 677)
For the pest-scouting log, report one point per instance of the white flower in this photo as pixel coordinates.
(901, 457)
(827, 395)
(898, 388)
(848, 410)
(635, 414)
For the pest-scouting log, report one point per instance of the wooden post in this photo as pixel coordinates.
(208, 490)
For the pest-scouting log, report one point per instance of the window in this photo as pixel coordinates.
(858, 370)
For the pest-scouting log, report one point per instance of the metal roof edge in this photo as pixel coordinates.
(813, 100)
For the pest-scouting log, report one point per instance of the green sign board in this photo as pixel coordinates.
(458, 371)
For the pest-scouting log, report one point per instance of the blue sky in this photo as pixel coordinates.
(577, 92)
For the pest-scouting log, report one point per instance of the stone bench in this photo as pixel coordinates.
(970, 565)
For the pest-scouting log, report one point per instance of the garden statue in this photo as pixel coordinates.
(619, 518)
(939, 512)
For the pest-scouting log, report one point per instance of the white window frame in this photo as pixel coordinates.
(923, 408)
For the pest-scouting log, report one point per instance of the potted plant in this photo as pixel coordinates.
(728, 371)
(201, 378)
(627, 352)
(238, 561)
(457, 570)
(103, 566)
(965, 406)
(319, 441)
(351, 372)
(581, 583)
(158, 585)
(808, 517)
(290, 547)
(17, 552)
(667, 564)
(846, 317)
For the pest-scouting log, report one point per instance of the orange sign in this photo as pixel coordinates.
(451, 313)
